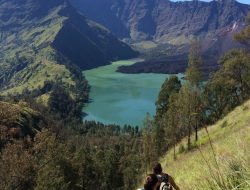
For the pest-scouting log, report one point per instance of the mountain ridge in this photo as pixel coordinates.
(163, 30)
(44, 40)
(162, 20)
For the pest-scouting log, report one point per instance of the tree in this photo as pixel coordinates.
(186, 108)
(171, 85)
(236, 70)
(61, 103)
(149, 155)
(17, 167)
(110, 169)
(194, 77)
(230, 85)
(55, 169)
(160, 139)
(172, 121)
(4, 136)
(51, 176)
(83, 161)
(132, 172)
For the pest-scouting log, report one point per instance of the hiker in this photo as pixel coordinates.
(152, 182)
(165, 179)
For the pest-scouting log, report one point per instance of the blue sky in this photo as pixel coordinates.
(245, 1)
(242, 1)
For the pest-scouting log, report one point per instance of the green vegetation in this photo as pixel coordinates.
(170, 86)
(68, 154)
(216, 156)
(224, 164)
(28, 60)
(50, 42)
(178, 108)
(45, 145)
(36, 74)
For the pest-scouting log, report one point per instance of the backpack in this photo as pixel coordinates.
(165, 184)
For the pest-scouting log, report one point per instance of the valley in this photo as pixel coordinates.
(94, 93)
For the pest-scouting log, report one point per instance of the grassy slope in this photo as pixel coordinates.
(44, 67)
(33, 40)
(50, 35)
(230, 140)
(35, 74)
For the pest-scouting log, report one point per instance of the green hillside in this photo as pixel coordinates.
(222, 164)
(43, 40)
(27, 58)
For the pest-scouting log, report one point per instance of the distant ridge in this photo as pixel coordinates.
(163, 20)
(163, 29)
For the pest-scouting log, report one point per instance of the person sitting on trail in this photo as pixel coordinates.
(167, 182)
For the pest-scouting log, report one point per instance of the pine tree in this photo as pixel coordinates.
(149, 154)
(171, 85)
(172, 121)
(186, 103)
(194, 77)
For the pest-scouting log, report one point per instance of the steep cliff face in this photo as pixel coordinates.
(163, 20)
(197, 18)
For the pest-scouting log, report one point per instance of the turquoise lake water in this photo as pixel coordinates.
(119, 98)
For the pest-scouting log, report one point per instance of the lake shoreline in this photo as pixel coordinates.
(119, 98)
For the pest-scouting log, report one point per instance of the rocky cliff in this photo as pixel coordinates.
(163, 20)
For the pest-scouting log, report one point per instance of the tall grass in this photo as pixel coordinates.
(230, 173)
(219, 160)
